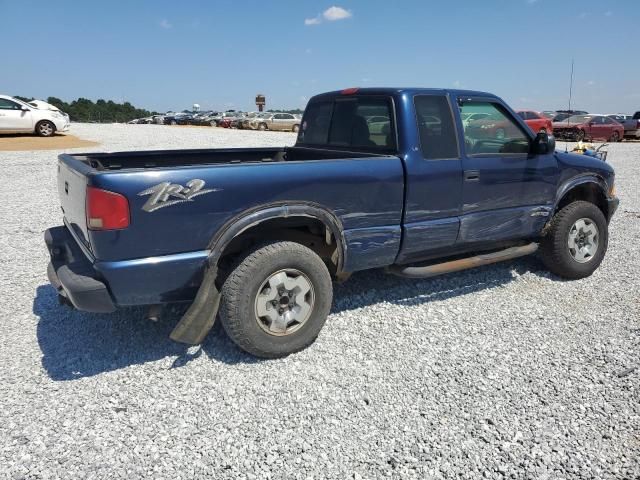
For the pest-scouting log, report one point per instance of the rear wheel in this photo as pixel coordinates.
(295, 128)
(173, 122)
(262, 127)
(45, 128)
(580, 136)
(615, 137)
(576, 241)
(276, 300)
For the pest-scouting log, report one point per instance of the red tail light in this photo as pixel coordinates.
(106, 210)
(349, 91)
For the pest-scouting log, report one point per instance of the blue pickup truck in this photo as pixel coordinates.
(378, 178)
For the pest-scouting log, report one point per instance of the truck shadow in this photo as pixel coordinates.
(78, 344)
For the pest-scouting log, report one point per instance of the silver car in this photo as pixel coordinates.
(276, 121)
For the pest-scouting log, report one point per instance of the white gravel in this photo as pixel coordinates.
(505, 371)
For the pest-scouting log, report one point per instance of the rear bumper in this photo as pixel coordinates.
(97, 286)
(72, 274)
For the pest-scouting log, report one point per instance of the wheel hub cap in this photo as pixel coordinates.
(284, 302)
(583, 240)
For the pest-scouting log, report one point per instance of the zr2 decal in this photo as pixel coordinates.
(166, 194)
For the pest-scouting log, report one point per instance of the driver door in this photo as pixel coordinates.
(507, 192)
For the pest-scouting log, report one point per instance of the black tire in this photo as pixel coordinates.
(615, 137)
(45, 128)
(554, 248)
(295, 128)
(543, 130)
(241, 289)
(173, 122)
(580, 136)
(262, 127)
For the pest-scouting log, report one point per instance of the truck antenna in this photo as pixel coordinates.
(566, 148)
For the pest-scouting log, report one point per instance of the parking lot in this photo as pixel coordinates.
(500, 372)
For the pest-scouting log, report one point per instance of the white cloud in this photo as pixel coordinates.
(164, 23)
(334, 13)
(457, 84)
(591, 82)
(608, 13)
(366, 80)
(331, 14)
(308, 51)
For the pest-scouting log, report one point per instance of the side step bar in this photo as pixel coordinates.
(463, 263)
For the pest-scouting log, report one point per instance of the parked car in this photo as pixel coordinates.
(17, 116)
(630, 123)
(588, 127)
(471, 117)
(536, 121)
(245, 122)
(281, 223)
(277, 121)
(224, 118)
(549, 114)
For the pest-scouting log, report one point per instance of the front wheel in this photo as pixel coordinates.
(615, 137)
(576, 240)
(295, 128)
(45, 128)
(262, 127)
(580, 136)
(276, 299)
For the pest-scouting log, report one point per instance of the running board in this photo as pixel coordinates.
(463, 263)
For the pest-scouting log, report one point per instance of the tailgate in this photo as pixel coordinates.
(72, 190)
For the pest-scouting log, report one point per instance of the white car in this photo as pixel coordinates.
(17, 116)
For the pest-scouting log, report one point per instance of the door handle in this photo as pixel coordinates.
(471, 175)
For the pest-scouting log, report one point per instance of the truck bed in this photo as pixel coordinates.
(364, 191)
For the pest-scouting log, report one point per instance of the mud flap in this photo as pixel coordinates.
(196, 323)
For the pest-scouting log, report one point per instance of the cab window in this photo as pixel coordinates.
(495, 134)
(353, 122)
(436, 127)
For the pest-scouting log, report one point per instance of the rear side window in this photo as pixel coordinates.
(435, 127)
(353, 122)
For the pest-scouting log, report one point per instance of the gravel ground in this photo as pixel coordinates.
(499, 372)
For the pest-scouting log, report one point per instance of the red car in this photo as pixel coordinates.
(536, 121)
(588, 127)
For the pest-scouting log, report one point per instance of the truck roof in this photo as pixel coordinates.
(399, 91)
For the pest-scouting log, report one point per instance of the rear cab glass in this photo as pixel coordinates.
(364, 123)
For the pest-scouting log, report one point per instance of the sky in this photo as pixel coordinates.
(167, 55)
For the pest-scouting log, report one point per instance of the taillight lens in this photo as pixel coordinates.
(106, 210)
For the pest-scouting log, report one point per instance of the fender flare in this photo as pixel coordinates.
(257, 215)
(574, 182)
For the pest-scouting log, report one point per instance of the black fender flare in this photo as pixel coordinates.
(285, 209)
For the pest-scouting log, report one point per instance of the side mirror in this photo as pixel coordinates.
(543, 144)
(25, 109)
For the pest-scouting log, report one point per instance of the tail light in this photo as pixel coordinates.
(106, 210)
(349, 91)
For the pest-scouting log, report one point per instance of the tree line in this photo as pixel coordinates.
(102, 111)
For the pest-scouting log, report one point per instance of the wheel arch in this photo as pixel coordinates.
(285, 215)
(590, 188)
